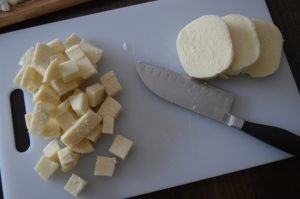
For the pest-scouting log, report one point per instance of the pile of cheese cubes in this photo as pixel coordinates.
(72, 118)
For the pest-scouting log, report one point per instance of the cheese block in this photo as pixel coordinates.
(73, 39)
(69, 71)
(204, 47)
(67, 158)
(86, 68)
(46, 168)
(74, 52)
(110, 108)
(27, 77)
(52, 72)
(271, 49)
(81, 128)
(50, 151)
(111, 84)
(93, 53)
(121, 146)
(105, 166)
(95, 94)
(27, 57)
(46, 94)
(83, 147)
(40, 116)
(52, 129)
(245, 42)
(61, 57)
(36, 83)
(19, 76)
(41, 57)
(56, 46)
(79, 103)
(95, 134)
(108, 125)
(75, 185)
(62, 87)
(66, 119)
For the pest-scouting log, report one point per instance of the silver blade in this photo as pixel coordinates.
(186, 92)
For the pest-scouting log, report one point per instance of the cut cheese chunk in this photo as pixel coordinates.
(28, 117)
(108, 125)
(50, 151)
(87, 70)
(83, 147)
(27, 57)
(105, 166)
(36, 83)
(52, 129)
(40, 116)
(121, 146)
(245, 42)
(81, 128)
(75, 185)
(56, 46)
(204, 47)
(74, 53)
(271, 42)
(73, 39)
(94, 54)
(95, 94)
(67, 158)
(66, 119)
(52, 72)
(62, 88)
(61, 57)
(46, 168)
(19, 76)
(69, 71)
(95, 134)
(46, 94)
(27, 77)
(110, 108)
(79, 103)
(41, 57)
(111, 84)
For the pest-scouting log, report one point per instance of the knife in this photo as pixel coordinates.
(213, 103)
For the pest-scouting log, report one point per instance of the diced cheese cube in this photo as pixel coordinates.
(62, 88)
(66, 119)
(27, 57)
(46, 168)
(28, 119)
(27, 77)
(95, 94)
(69, 71)
(60, 57)
(56, 46)
(84, 146)
(40, 116)
(50, 151)
(111, 84)
(75, 185)
(74, 52)
(62, 108)
(95, 134)
(94, 54)
(52, 129)
(110, 108)
(105, 166)
(87, 70)
(79, 103)
(67, 158)
(46, 94)
(121, 146)
(81, 128)
(19, 76)
(41, 57)
(52, 72)
(108, 125)
(36, 83)
(73, 39)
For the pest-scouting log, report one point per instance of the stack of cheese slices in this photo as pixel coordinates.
(73, 119)
(212, 46)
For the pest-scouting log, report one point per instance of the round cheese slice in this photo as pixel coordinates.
(245, 42)
(204, 47)
(271, 42)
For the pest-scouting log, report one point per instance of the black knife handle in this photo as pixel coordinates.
(277, 137)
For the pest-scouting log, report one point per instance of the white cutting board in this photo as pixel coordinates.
(172, 146)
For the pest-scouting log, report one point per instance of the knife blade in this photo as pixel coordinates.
(213, 103)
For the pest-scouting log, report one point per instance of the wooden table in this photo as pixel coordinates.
(277, 180)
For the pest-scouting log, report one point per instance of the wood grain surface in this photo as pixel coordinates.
(276, 180)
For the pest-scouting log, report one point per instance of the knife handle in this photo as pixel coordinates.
(277, 137)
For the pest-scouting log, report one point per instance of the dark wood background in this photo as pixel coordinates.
(277, 180)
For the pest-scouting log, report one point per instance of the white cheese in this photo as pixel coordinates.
(75, 185)
(121, 146)
(95, 94)
(46, 168)
(50, 151)
(108, 125)
(105, 166)
(111, 84)
(93, 53)
(110, 108)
